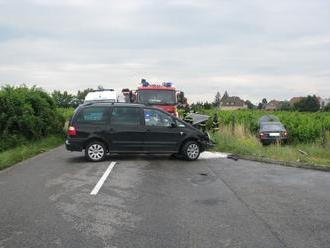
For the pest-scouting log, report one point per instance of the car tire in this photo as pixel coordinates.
(95, 151)
(191, 150)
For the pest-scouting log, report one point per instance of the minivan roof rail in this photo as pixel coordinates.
(100, 90)
(88, 103)
(100, 101)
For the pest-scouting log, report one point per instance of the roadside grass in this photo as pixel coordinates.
(20, 153)
(238, 140)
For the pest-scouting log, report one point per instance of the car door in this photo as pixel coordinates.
(161, 135)
(91, 122)
(125, 132)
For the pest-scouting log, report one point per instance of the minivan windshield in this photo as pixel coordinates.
(157, 97)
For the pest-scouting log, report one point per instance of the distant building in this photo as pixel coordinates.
(273, 105)
(294, 100)
(232, 102)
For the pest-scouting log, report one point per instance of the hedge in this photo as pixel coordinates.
(26, 114)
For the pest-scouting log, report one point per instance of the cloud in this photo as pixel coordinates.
(254, 48)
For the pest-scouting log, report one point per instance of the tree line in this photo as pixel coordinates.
(67, 100)
(310, 103)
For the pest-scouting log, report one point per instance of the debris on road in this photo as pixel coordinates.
(233, 157)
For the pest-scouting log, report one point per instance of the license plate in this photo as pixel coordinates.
(274, 134)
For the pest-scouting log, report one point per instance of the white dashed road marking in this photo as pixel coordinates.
(102, 179)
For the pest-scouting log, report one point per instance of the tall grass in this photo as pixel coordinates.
(238, 139)
(19, 153)
(302, 127)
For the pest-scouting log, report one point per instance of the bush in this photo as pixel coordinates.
(67, 113)
(26, 114)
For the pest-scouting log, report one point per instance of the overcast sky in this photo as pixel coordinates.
(252, 48)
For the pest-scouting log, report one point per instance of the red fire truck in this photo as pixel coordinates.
(162, 96)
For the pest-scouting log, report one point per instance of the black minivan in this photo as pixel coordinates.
(101, 128)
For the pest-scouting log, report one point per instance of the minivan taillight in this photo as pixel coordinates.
(72, 131)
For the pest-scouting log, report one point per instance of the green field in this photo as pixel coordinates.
(309, 135)
(302, 127)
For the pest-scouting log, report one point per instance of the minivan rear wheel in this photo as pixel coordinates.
(95, 151)
(191, 150)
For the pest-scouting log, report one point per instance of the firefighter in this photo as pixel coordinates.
(215, 122)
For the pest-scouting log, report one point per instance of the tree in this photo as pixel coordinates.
(82, 94)
(262, 104)
(181, 98)
(217, 100)
(63, 100)
(250, 105)
(327, 108)
(308, 104)
(207, 105)
(285, 106)
(225, 96)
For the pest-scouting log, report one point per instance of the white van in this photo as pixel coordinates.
(108, 95)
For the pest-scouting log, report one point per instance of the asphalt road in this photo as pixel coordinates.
(155, 201)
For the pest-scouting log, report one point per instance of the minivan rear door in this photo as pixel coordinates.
(125, 133)
(90, 121)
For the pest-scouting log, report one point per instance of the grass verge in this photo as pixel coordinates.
(238, 140)
(20, 153)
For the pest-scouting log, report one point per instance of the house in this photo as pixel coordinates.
(273, 105)
(232, 102)
(294, 100)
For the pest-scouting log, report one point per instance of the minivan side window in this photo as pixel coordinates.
(125, 116)
(157, 118)
(92, 114)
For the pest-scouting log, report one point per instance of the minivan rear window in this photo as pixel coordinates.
(92, 114)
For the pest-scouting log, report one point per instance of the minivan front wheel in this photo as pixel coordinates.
(95, 151)
(191, 150)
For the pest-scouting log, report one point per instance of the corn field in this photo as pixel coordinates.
(302, 127)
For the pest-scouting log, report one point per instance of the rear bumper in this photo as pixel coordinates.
(274, 140)
(74, 145)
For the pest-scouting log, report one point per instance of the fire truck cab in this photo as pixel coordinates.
(161, 96)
